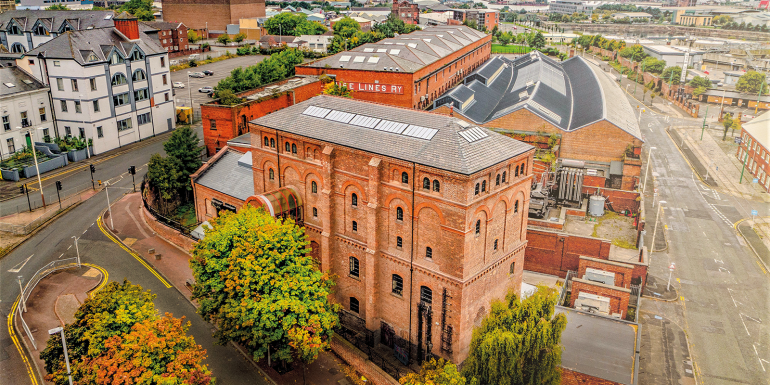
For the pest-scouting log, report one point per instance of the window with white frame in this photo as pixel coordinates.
(6, 122)
(60, 84)
(11, 145)
(121, 100)
(142, 94)
(143, 118)
(124, 124)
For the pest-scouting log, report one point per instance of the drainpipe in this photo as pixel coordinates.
(411, 262)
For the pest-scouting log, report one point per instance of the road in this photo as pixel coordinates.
(724, 307)
(54, 241)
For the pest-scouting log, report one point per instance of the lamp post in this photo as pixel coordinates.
(109, 207)
(722, 104)
(77, 250)
(189, 91)
(37, 168)
(646, 171)
(655, 229)
(21, 298)
(60, 330)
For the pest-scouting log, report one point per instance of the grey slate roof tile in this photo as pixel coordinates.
(99, 41)
(228, 176)
(54, 19)
(17, 77)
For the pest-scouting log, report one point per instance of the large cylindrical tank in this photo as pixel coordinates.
(596, 205)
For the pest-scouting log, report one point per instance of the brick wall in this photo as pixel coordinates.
(619, 199)
(618, 296)
(358, 360)
(756, 163)
(198, 14)
(570, 377)
(166, 232)
(555, 253)
(622, 271)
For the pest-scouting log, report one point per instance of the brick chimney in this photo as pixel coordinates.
(127, 25)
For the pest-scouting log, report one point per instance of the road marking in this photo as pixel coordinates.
(104, 281)
(138, 258)
(62, 254)
(744, 324)
(69, 247)
(729, 291)
(760, 359)
(84, 231)
(760, 266)
(12, 333)
(18, 269)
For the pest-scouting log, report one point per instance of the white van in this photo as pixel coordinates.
(194, 56)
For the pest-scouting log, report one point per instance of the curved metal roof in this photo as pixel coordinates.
(279, 201)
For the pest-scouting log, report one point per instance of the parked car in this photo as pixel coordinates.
(206, 89)
(178, 85)
(208, 73)
(197, 75)
(174, 62)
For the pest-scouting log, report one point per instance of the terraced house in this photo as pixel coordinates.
(23, 30)
(110, 85)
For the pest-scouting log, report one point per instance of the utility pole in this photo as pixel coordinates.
(761, 86)
(109, 208)
(21, 297)
(704, 122)
(743, 167)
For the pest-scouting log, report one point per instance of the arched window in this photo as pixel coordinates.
(398, 284)
(314, 187)
(428, 253)
(522, 168)
(426, 183)
(267, 142)
(495, 244)
(271, 174)
(293, 148)
(512, 268)
(476, 190)
(272, 142)
(288, 147)
(315, 212)
(17, 48)
(399, 214)
(483, 186)
(478, 226)
(139, 75)
(119, 79)
(404, 178)
(426, 295)
(354, 305)
(399, 242)
(354, 200)
(497, 180)
(436, 185)
(355, 226)
(503, 176)
(516, 207)
(354, 267)
(517, 171)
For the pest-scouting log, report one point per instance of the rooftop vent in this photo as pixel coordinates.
(9, 85)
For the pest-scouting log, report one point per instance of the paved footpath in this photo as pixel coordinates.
(132, 229)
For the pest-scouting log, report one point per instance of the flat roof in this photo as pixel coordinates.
(230, 174)
(759, 128)
(670, 50)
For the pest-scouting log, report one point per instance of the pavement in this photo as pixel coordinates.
(132, 230)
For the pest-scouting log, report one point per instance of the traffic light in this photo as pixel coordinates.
(132, 170)
(21, 189)
(93, 169)
(58, 185)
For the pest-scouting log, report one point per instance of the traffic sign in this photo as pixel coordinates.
(672, 266)
(755, 180)
(754, 213)
(737, 139)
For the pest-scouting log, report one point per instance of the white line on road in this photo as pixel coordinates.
(69, 247)
(16, 270)
(84, 231)
(62, 254)
(729, 291)
(760, 360)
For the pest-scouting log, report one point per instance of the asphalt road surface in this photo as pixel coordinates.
(724, 307)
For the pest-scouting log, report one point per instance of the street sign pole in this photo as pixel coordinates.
(743, 167)
(670, 271)
(704, 123)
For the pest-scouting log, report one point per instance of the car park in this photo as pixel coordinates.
(206, 89)
(208, 72)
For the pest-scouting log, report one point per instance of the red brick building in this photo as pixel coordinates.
(410, 70)
(212, 14)
(573, 101)
(223, 122)
(754, 151)
(172, 36)
(403, 206)
(488, 18)
(406, 11)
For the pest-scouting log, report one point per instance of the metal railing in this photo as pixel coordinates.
(21, 307)
(68, 197)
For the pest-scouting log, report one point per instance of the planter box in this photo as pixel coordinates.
(51, 164)
(10, 175)
(77, 155)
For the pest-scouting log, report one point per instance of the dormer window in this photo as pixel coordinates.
(14, 29)
(136, 56)
(40, 30)
(115, 58)
(66, 27)
(92, 58)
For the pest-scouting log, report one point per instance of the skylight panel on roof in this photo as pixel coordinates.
(427, 40)
(373, 60)
(382, 50)
(359, 59)
(546, 111)
(420, 132)
(365, 121)
(395, 51)
(108, 17)
(368, 49)
(412, 45)
(9, 85)
(27, 81)
(340, 116)
(473, 134)
(388, 126)
(344, 58)
(318, 112)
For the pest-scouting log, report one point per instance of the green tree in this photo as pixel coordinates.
(751, 81)
(518, 342)
(332, 88)
(293, 24)
(193, 36)
(727, 122)
(736, 125)
(505, 38)
(537, 41)
(228, 98)
(223, 38)
(393, 25)
(112, 311)
(667, 76)
(164, 175)
(633, 53)
(653, 65)
(183, 149)
(239, 37)
(141, 9)
(700, 82)
(154, 351)
(698, 91)
(346, 27)
(436, 373)
(57, 7)
(257, 282)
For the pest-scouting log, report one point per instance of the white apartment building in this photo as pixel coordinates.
(24, 104)
(111, 85)
(23, 30)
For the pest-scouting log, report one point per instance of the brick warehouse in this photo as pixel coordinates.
(222, 122)
(409, 216)
(211, 14)
(573, 100)
(754, 151)
(409, 70)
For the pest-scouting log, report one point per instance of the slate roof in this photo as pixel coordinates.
(598, 346)
(21, 81)
(53, 20)
(78, 45)
(446, 150)
(569, 94)
(229, 175)
(404, 53)
(759, 128)
(161, 25)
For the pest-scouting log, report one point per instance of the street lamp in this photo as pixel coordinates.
(37, 168)
(655, 229)
(189, 91)
(76, 245)
(646, 171)
(60, 330)
(21, 298)
(109, 208)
